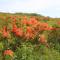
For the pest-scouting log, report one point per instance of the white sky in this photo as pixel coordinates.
(45, 7)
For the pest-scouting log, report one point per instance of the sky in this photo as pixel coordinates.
(45, 7)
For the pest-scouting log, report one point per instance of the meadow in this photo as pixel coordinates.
(29, 37)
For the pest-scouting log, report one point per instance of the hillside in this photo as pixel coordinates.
(29, 36)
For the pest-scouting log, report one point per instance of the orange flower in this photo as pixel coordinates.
(29, 29)
(5, 32)
(14, 20)
(52, 28)
(24, 21)
(5, 28)
(44, 26)
(37, 27)
(29, 33)
(8, 52)
(33, 21)
(25, 17)
(42, 39)
(19, 32)
(14, 28)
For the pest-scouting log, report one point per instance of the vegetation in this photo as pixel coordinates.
(29, 37)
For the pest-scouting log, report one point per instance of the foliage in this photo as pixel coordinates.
(29, 37)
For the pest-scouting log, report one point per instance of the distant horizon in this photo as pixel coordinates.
(49, 8)
(30, 13)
